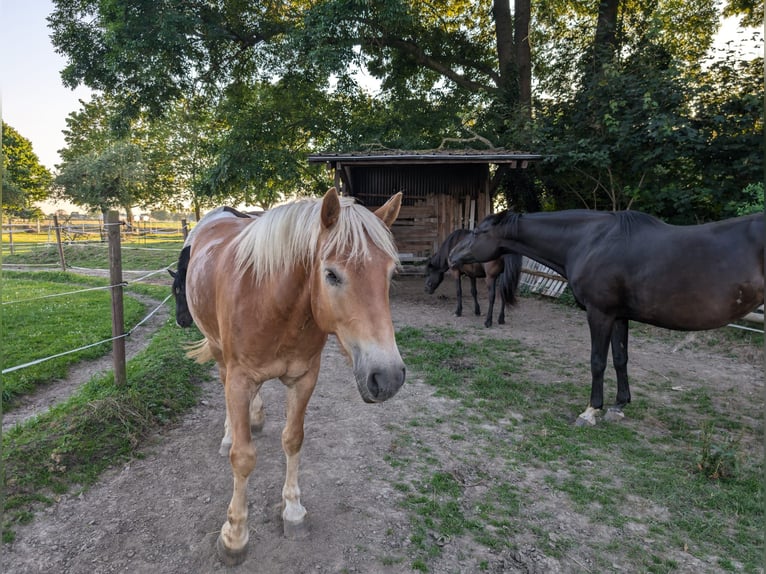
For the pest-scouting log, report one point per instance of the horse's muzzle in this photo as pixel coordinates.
(378, 382)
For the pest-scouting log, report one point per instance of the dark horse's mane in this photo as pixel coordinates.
(630, 220)
(627, 220)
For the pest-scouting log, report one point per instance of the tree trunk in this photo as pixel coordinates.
(523, 55)
(501, 10)
(605, 42)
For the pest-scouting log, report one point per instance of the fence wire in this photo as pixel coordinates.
(111, 339)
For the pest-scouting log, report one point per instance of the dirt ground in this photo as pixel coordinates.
(161, 514)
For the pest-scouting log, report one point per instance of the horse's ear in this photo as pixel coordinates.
(172, 273)
(389, 211)
(330, 208)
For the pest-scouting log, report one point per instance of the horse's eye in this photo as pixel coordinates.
(332, 278)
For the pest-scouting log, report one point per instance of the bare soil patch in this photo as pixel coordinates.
(161, 513)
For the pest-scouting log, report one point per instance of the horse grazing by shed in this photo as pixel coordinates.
(266, 292)
(630, 266)
(507, 268)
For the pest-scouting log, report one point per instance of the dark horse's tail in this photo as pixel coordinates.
(510, 277)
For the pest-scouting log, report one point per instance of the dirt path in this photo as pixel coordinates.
(161, 514)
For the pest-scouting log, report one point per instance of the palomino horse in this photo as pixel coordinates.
(183, 317)
(507, 268)
(629, 266)
(266, 293)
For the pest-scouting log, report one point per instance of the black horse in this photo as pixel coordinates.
(624, 266)
(183, 316)
(507, 267)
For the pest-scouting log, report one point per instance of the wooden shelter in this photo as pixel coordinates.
(443, 189)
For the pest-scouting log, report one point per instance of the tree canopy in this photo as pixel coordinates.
(25, 180)
(616, 93)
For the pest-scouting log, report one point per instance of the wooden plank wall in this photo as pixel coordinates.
(420, 229)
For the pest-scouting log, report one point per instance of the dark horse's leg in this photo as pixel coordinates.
(475, 295)
(459, 291)
(501, 316)
(620, 358)
(600, 335)
(491, 296)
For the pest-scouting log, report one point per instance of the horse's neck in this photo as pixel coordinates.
(547, 239)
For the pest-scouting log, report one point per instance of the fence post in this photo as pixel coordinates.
(184, 228)
(58, 241)
(118, 319)
(10, 234)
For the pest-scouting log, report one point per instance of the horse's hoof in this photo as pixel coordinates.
(228, 556)
(585, 422)
(487, 324)
(501, 321)
(614, 415)
(295, 530)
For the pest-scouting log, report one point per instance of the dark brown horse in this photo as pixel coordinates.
(629, 266)
(508, 268)
(266, 293)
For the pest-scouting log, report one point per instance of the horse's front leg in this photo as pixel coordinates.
(257, 420)
(491, 296)
(232, 542)
(620, 360)
(600, 334)
(298, 394)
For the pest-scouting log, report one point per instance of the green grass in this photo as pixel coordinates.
(37, 324)
(69, 446)
(690, 483)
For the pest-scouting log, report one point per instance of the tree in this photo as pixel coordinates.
(615, 83)
(104, 180)
(25, 180)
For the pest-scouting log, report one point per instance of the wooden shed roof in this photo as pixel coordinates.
(407, 157)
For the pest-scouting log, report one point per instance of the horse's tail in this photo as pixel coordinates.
(510, 277)
(199, 351)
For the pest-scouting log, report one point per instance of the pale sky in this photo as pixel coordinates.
(33, 98)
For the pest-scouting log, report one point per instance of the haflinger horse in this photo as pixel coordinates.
(507, 268)
(266, 293)
(629, 266)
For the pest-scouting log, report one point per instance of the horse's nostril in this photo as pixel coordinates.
(373, 386)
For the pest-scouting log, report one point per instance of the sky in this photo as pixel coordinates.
(32, 97)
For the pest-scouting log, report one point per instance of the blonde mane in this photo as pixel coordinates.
(287, 235)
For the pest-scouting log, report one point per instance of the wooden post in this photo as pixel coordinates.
(10, 234)
(184, 228)
(118, 320)
(58, 242)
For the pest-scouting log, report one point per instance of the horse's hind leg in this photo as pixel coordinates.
(459, 295)
(491, 296)
(298, 394)
(225, 447)
(501, 316)
(620, 359)
(257, 414)
(475, 295)
(232, 541)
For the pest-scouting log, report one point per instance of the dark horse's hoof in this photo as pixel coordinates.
(230, 557)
